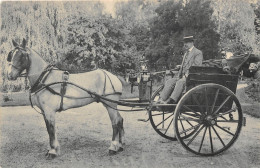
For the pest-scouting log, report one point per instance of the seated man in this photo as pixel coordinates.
(174, 87)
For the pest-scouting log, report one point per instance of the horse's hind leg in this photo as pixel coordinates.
(118, 129)
(49, 118)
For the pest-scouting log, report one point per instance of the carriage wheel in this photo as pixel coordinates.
(161, 119)
(214, 114)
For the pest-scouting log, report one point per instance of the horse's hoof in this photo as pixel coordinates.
(120, 149)
(50, 156)
(111, 152)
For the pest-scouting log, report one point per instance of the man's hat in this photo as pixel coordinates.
(188, 39)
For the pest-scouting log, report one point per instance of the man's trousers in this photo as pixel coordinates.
(173, 88)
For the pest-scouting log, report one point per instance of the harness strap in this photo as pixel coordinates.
(30, 98)
(63, 88)
(107, 76)
(40, 79)
(105, 83)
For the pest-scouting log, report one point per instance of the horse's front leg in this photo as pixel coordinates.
(49, 118)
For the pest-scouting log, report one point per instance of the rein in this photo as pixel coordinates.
(98, 97)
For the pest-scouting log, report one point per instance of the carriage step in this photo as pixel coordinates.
(244, 121)
(143, 120)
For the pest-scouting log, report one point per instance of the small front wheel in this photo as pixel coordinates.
(161, 119)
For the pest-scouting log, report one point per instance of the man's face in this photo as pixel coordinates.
(187, 45)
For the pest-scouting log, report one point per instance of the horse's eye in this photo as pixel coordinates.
(9, 57)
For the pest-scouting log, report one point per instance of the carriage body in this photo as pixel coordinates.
(203, 75)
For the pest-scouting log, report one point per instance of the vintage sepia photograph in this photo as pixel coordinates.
(129, 83)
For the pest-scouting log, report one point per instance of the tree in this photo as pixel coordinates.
(136, 16)
(176, 19)
(43, 24)
(235, 19)
(101, 40)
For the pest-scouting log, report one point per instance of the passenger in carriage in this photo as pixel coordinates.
(174, 87)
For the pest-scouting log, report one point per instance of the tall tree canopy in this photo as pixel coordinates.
(235, 20)
(80, 34)
(176, 19)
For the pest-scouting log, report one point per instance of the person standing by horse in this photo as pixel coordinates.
(173, 87)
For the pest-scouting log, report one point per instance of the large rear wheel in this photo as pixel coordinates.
(213, 113)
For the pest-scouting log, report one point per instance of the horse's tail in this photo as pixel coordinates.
(122, 80)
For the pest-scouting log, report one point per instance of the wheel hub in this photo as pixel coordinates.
(209, 120)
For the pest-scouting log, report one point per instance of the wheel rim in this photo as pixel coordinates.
(162, 120)
(214, 115)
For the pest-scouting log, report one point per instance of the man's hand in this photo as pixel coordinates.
(178, 67)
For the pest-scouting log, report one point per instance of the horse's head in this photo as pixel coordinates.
(18, 60)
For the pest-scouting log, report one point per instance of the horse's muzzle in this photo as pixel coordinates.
(12, 76)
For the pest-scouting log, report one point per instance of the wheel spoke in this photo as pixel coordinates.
(225, 130)
(210, 137)
(189, 123)
(218, 136)
(202, 139)
(188, 118)
(198, 104)
(227, 112)
(187, 108)
(224, 118)
(206, 99)
(164, 120)
(168, 126)
(214, 102)
(161, 113)
(195, 135)
(182, 125)
(193, 127)
(186, 113)
(231, 121)
(223, 103)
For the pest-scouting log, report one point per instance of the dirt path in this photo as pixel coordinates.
(85, 134)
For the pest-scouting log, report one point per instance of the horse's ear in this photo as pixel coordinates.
(24, 43)
(15, 44)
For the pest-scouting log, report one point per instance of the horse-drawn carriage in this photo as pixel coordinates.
(206, 120)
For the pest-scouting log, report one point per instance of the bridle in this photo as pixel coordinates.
(25, 74)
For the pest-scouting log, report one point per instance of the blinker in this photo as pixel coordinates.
(9, 57)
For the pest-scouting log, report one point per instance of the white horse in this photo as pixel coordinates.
(40, 74)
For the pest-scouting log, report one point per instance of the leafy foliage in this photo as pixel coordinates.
(79, 35)
(235, 19)
(175, 20)
(100, 42)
